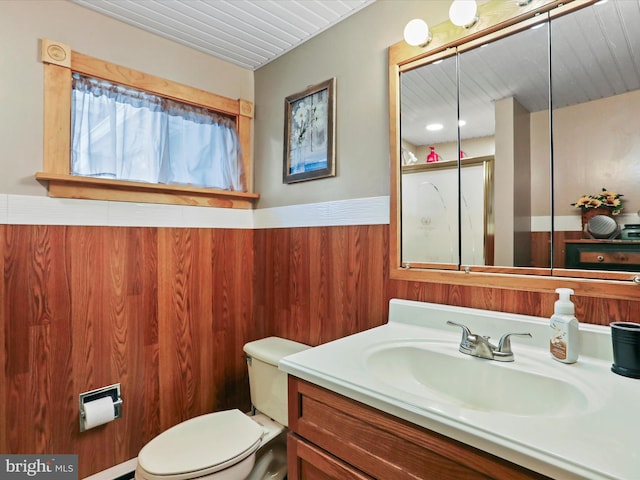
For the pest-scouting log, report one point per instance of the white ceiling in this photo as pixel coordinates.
(248, 33)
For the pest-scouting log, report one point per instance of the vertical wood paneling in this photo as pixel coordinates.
(4, 384)
(319, 306)
(278, 254)
(336, 258)
(174, 321)
(18, 304)
(300, 302)
(38, 278)
(223, 355)
(39, 387)
(240, 256)
(342, 270)
(85, 307)
(17, 342)
(166, 311)
(89, 266)
(349, 286)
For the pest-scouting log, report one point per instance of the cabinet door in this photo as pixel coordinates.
(382, 446)
(307, 462)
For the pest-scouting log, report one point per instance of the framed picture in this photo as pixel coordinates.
(309, 133)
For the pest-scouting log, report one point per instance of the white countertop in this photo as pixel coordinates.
(597, 441)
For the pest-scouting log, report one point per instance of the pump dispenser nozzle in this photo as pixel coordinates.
(564, 306)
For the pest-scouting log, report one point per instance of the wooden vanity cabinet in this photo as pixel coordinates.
(335, 438)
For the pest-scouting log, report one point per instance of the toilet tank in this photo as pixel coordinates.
(268, 384)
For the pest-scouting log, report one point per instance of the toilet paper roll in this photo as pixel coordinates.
(98, 412)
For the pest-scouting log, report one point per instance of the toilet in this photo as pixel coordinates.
(230, 445)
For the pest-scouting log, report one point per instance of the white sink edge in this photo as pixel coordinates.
(520, 453)
(545, 455)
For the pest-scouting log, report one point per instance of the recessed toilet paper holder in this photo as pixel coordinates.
(112, 391)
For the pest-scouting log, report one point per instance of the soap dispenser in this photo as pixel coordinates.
(564, 342)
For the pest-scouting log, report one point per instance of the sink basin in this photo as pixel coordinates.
(437, 371)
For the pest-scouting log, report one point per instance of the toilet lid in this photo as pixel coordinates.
(201, 445)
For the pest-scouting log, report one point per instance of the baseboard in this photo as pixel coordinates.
(122, 471)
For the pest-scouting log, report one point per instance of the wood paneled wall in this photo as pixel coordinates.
(162, 311)
(322, 283)
(165, 312)
(318, 284)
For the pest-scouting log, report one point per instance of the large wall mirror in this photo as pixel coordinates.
(499, 133)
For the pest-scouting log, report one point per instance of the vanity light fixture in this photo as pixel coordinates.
(462, 123)
(416, 33)
(464, 13)
(434, 127)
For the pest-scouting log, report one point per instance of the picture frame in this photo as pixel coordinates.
(309, 133)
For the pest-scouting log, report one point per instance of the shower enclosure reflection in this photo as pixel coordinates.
(430, 212)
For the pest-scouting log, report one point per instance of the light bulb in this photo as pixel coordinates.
(463, 13)
(416, 33)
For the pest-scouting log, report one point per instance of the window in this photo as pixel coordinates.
(112, 133)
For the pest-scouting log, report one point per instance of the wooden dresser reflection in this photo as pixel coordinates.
(603, 254)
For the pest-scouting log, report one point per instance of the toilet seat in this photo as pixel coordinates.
(200, 446)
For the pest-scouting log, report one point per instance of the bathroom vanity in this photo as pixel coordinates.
(401, 401)
(337, 438)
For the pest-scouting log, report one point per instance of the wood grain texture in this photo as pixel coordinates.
(163, 312)
(4, 357)
(76, 186)
(317, 284)
(57, 117)
(308, 462)
(384, 446)
(57, 122)
(166, 311)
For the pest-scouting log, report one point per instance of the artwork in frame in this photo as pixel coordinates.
(309, 133)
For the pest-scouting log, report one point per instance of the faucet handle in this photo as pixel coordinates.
(466, 333)
(504, 344)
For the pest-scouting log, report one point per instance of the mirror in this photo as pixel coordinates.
(499, 85)
(503, 88)
(595, 54)
(429, 180)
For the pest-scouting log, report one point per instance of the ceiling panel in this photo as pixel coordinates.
(248, 33)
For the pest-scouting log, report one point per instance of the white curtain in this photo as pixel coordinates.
(126, 134)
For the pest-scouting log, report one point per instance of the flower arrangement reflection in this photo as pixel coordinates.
(604, 199)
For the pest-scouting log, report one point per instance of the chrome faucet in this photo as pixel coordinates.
(480, 346)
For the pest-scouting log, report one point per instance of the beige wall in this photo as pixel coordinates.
(355, 52)
(540, 164)
(595, 145)
(503, 174)
(24, 22)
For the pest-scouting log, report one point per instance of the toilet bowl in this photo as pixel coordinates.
(223, 445)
